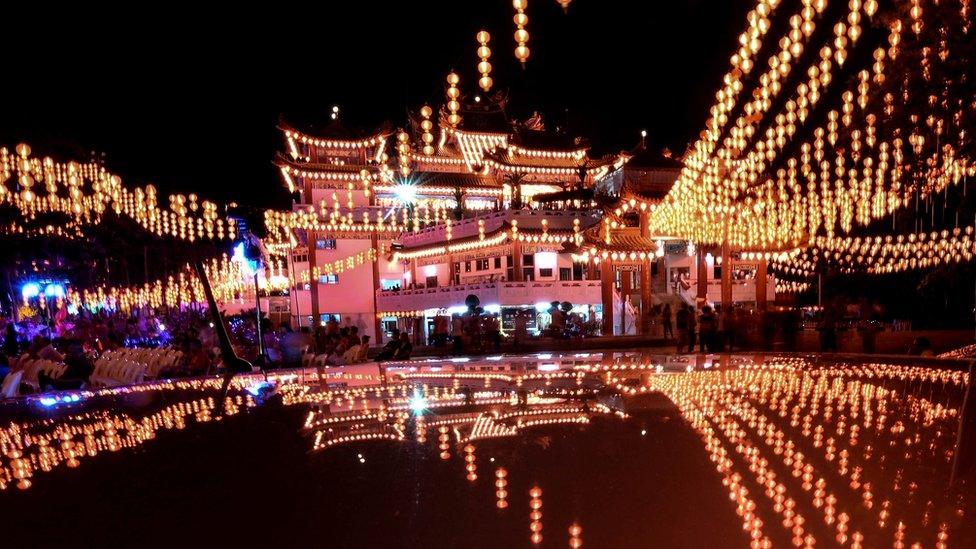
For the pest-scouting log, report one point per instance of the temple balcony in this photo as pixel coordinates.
(504, 294)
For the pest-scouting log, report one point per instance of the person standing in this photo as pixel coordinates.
(666, 321)
(11, 346)
(720, 319)
(727, 328)
(828, 331)
(869, 332)
(521, 329)
(681, 322)
(692, 328)
(708, 330)
(494, 332)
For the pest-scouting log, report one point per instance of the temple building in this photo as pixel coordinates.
(641, 272)
(394, 228)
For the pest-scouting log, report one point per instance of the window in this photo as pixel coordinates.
(481, 265)
(467, 266)
(329, 279)
(300, 258)
(528, 273)
(565, 273)
(528, 260)
(718, 271)
(545, 273)
(325, 317)
(389, 283)
(498, 263)
(432, 281)
(577, 271)
(325, 244)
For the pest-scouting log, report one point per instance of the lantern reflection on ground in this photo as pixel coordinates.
(643, 450)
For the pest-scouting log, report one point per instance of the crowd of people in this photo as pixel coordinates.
(713, 330)
(77, 340)
(708, 329)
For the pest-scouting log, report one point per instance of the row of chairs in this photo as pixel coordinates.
(32, 367)
(110, 373)
(118, 367)
(155, 360)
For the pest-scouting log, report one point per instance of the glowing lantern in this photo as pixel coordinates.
(484, 53)
(453, 93)
(521, 35)
(403, 147)
(426, 125)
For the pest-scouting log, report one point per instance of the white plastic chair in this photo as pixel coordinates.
(11, 384)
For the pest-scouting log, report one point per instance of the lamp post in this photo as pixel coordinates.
(248, 252)
(257, 312)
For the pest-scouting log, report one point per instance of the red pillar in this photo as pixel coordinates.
(606, 289)
(517, 257)
(626, 287)
(726, 277)
(644, 323)
(377, 327)
(761, 285)
(313, 281)
(702, 276)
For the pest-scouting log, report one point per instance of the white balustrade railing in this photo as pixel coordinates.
(490, 293)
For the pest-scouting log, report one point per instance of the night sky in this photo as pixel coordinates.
(189, 100)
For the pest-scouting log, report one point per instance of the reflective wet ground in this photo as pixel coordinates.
(591, 449)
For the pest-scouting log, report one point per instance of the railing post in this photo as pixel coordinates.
(965, 454)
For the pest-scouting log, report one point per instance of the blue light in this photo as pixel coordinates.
(256, 388)
(29, 290)
(249, 266)
(418, 403)
(48, 401)
(54, 290)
